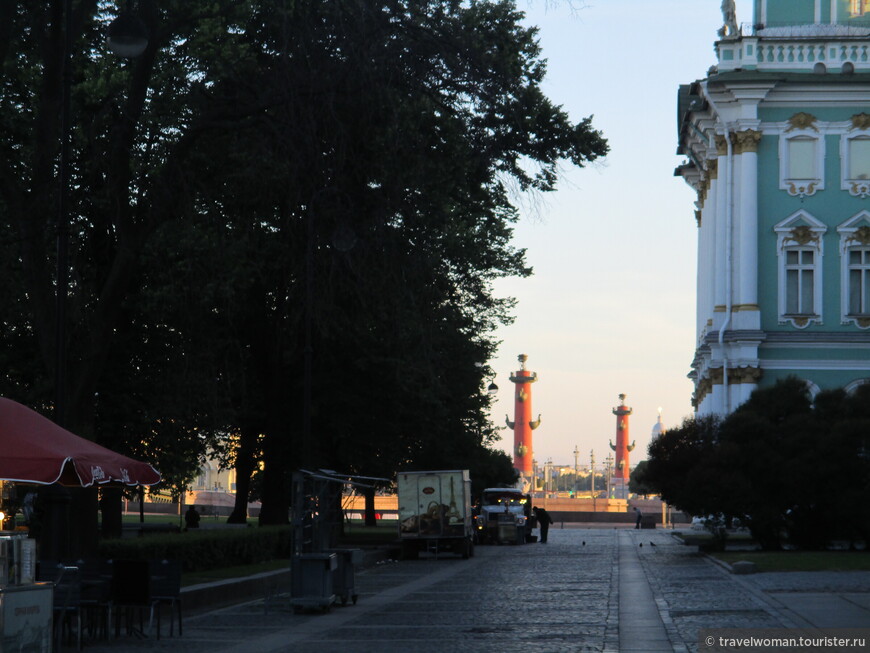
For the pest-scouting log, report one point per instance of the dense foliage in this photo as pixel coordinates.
(286, 218)
(206, 549)
(789, 467)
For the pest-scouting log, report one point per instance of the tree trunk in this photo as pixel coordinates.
(84, 525)
(275, 508)
(369, 494)
(245, 464)
(111, 507)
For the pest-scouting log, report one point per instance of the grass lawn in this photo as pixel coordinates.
(356, 533)
(800, 560)
(175, 520)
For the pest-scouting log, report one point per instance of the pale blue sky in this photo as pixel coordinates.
(611, 306)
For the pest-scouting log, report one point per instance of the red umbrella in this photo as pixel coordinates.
(33, 449)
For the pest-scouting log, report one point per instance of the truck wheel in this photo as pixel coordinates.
(410, 551)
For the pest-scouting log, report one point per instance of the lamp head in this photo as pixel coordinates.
(127, 36)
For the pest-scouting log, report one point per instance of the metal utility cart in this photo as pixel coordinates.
(343, 582)
(311, 577)
(320, 574)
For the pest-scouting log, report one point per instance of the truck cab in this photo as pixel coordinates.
(504, 516)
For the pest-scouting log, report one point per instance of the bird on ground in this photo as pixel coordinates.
(652, 543)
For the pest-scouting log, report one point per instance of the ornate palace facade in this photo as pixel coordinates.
(777, 145)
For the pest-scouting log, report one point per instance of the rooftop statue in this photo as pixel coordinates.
(729, 20)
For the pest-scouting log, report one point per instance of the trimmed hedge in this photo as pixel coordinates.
(206, 549)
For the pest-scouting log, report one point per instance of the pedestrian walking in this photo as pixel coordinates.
(639, 518)
(544, 521)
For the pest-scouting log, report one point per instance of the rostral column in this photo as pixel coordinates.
(523, 425)
(621, 469)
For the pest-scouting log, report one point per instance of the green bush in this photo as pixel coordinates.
(207, 549)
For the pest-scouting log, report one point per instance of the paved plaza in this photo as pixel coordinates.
(585, 590)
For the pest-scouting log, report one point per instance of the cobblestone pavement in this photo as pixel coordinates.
(559, 596)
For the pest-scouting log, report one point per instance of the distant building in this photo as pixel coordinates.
(777, 146)
(213, 478)
(658, 428)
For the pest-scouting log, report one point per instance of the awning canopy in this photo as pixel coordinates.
(33, 449)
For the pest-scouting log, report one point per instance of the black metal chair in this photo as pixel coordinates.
(130, 594)
(96, 579)
(166, 590)
(67, 600)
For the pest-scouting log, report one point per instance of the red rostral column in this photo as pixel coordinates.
(523, 424)
(621, 470)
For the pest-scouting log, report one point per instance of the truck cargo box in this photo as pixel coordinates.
(435, 512)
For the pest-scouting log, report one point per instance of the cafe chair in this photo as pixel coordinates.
(96, 579)
(130, 595)
(166, 590)
(67, 600)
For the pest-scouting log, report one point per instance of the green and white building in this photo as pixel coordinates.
(777, 145)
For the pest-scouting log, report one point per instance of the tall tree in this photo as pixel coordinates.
(286, 219)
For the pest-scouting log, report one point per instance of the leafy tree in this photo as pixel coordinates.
(285, 222)
(672, 461)
(638, 482)
(785, 465)
(386, 220)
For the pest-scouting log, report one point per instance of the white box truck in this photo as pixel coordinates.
(435, 512)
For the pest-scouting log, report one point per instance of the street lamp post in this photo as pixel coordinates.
(534, 476)
(609, 462)
(62, 227)
(549, 487)
(127, 37)
(60, 536)
(576, 469)
(592, 477)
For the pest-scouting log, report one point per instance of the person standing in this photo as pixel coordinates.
(191, 518)
(544, 521)
(639, 517)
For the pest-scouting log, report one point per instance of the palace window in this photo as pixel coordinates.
(800, 268)
(855, 270)
(855, 158)
(801, 160)
(799, 251)
(859, 281)
(859, 8)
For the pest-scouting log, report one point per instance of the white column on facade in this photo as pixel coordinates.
(707, 292)
(707, 220)
(736, 231)
(720, 240)
(747, 217)
(700, 278)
